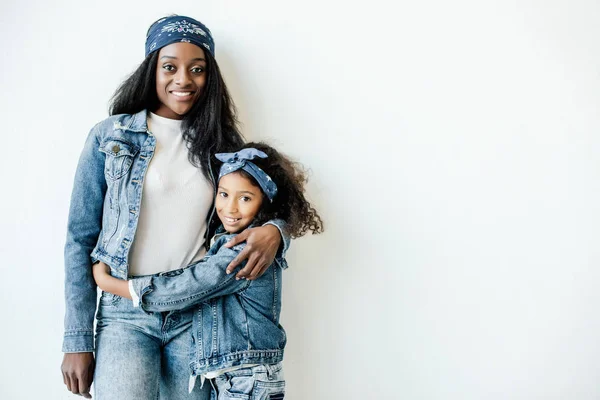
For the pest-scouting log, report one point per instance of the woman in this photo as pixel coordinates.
(141, 204)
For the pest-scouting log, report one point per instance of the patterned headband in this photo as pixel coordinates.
(241, 160)
(177, 29)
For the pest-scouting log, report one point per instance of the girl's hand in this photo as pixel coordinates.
(261, 247)
(101, 271)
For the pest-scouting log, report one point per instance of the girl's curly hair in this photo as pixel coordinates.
(289, 204)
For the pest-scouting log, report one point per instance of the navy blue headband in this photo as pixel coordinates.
(178, 29)
(241, 160)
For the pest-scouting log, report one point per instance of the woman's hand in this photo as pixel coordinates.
(109, 283)
(78, 372)
(261, 247)
(101, 271)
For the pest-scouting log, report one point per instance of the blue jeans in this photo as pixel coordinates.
(264, 382)
(143, 356)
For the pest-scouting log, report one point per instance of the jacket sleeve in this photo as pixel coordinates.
(180, 289)
(83, 228)
(285, 237)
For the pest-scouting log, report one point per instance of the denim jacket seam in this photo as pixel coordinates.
(78, 331)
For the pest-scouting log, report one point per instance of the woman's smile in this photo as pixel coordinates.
(183, 96)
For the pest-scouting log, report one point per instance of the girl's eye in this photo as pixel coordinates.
(222, 194)
(246, 199)
(168, 67)
(197, 70)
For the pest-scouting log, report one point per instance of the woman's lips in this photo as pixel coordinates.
(181, 95)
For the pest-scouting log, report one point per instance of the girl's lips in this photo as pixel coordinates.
(231, 220)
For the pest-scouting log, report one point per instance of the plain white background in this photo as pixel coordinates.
(454, 153)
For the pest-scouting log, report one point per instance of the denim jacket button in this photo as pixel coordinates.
(116, 148)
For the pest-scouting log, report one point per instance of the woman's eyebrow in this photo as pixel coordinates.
(175, 58)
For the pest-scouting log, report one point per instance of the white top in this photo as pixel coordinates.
(176, 200)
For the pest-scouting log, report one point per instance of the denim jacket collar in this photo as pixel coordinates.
(136, 123)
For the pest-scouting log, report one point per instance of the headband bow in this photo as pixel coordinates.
(241, 160)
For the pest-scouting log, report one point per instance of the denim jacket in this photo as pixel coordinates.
(236, 321)
(103, 216)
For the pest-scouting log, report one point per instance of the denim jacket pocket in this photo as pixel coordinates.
(119, 157)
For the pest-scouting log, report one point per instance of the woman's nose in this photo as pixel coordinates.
(182, 78)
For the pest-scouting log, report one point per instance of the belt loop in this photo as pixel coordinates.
(270, 373)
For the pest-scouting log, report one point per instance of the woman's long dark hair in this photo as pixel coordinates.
(209, 127)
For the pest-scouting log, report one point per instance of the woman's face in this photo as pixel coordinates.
(180, 78)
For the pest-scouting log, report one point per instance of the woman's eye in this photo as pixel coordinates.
(168, 67)
(197, 70)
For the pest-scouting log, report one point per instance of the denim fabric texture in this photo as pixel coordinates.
(236, 322)
(263, 382)
(142, 356)
(103, 216)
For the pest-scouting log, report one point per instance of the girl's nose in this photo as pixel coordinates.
(232, 206)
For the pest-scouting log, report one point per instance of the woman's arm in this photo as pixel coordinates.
(83, 228)
(109, 283)
(263, 244)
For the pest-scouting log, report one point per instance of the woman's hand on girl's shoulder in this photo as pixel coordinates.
(261, 247)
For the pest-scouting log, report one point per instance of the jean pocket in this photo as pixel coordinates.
(109, 300)
(268, 390)
(234, 387)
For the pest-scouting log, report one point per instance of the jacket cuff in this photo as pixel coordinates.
(285, 238)
(138, 287)
(79, 341)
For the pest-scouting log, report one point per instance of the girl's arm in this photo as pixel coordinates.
(109, 283)
(183, 288)
(263, 245)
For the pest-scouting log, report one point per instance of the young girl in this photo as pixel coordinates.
(141, 204)
(237, 339)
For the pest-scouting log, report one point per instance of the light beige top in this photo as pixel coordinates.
(176, 200)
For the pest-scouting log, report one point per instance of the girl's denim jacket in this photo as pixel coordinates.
(236, 321)
(103, 216)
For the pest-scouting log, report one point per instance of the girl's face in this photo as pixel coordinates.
(238, 201)
(180, 78)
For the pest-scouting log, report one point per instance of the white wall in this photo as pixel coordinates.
(454, 150)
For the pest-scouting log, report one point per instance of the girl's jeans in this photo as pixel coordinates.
(264, 382)
(143, 356)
